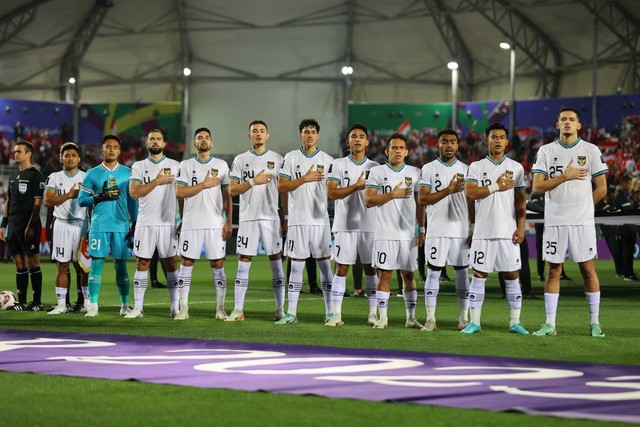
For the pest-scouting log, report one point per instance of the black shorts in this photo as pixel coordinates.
(17, 243)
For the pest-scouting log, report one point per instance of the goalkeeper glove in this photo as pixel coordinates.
(107, 193)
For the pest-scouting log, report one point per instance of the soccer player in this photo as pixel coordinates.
(496, 186)
(152, 183)
(205, 208)
(70, 224)
(392, 188)
(22, 219)
(302, 183)
(253, 177)
(564, 171)
(113, 214)
(353, 223)
(442, 191)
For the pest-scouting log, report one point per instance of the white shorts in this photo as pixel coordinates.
(578, 240)
(252, 233)
(192, 242)
(147, 238)
(488, 255)
(66, 239)
(438, 251)
(304, 241)
(348, 245)
(395, 254)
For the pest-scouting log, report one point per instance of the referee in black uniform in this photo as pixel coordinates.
(21, 225)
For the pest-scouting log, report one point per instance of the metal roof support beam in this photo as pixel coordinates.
(70, 63)
(626, 27)
(457, 48)
(528, 38)
(186, 57)
(15, 21)
(348, 58)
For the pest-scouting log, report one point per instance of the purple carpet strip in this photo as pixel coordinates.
(563, 389)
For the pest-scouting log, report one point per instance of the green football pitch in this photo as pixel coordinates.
(30, 399)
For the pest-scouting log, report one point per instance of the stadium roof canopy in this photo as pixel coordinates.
(143, 46)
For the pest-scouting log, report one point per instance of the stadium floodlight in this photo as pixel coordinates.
(72, 80)
(186, 71)
(505, 46)
(347, 70)
(453, 65)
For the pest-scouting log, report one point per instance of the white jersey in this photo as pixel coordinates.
(61, 182)
(159, 206)
(396, 219)
(261, 201)
(351, 213)
(307, 203)
(449, 217)
(496, 213)
(205, 209)
(570, 203)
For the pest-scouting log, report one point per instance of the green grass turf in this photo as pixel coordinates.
(51, 397)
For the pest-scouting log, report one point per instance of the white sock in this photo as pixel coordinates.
(338, 286)
(326, 279)
(61, 297)
(462, 290)
(551, 307)
(431, 290)
(371, 283)
(140, 279)
(277, 281)
(476, 298)
(184, 285)
(241, 285)
(172, 285)
(513, 295)
(410, 301)
(295, 286)
(383, 302)
(593, 299)
(220, 283)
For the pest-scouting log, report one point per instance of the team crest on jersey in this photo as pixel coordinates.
(167, 171)
(112, 181)
(22, 187)
(271, 165)
(320, 168)
(408, 180)
(582, 160)
(460, 176)
(508, 174)
(214, 172)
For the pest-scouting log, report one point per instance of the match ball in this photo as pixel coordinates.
(7, 300)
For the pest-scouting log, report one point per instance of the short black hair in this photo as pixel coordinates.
(29, 147)
(114, 137)
(398, 135)
(448, 132)
(358, 126)
(69, 146)
(201, 130)
(259, 122)
(156, 131)
(495, 126)
(571, 109)
(309, 122)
